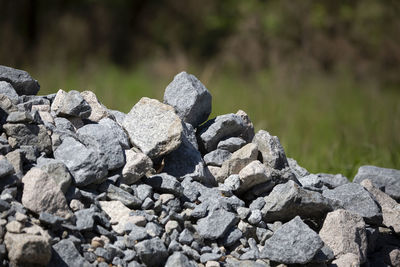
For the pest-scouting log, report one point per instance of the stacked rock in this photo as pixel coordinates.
(83, 185)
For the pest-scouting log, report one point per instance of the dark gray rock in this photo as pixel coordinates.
(129, 200)
(165, 183)
(7, 90)
(189, 97)
(29, 135)
(186, 237)
(219, 128)
(4, 146)
(98, 136)
(22, 82)
(289, 200)
(85, 219)
(152, 252)
(4, 205)
(353, 197)
(116, 131)
(293, 243)
(57, 171)
(233, 235)
(22, 117)
(297, 170)
(6, 168)
(231, 144)
(320, 182)
(144, 191)
(71, 104)
(50, 219)
(178, 259)
(271, 149)
(85, 164)
(153, 127)
(216, 224)
(387, 180)
(217, 157)
(137, 234)
(65, 254)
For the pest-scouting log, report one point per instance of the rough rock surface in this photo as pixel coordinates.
(136, 166)
(271, 149)
(153, 127)
(22, 82)
(216, 224)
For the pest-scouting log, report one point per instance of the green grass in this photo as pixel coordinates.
(328, 124)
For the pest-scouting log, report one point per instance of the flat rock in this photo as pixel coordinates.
(387, 180)
(98, 110)
(152, 252)
(71, 104)
(353, 197)
(57, 171)
(293, 243)
(253, 174)
(390, 208)
(322, 181)
(289, 200)
(22, 82)
(216, 224)
(178, 259)
(116, 131)
(271, 149)
(231, 144)
(189, 97)
(7, 90)
(42, 194)
(165, 183)
(136, 166)
(129, 200)
(118, 213)
(153, 127)
(217, 157)
(98, 136)
(220, 128)
(28, 249)
(29, 135)
(239, 159)
(86, 165)
(65, 254)
(344, 232)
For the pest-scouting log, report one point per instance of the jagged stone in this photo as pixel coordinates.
(20, 80)
(271, 149)
(216, 224)
(136, 166)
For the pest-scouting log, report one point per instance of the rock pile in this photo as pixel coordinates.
(83, 185)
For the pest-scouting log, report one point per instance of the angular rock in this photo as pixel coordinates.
(98, 136)
(297, 170)
(390, 208)
(152, 252)
(347, 260)
(231, 144)
(239, 160)
(322, 181)
(344, 232)
(289, 200)
(129, 200)
(253, 174)
(98, 110)
(57, 171)
(217, 157)
(248, 133)
(22, 82)
(293, 243)
(136, 166)
(165, 183)
(271, 149)
(6, 168)
(178, 259)
(41, 193)
(119, 214)
(189, 97)
(29, 135)
(65, 254)
(220, 128)
(153, 127)
(71, 104)
(7, 90)
(353, 197)
(85, 164)
(216, 224)
(116, 131)
(28, 249)
(387, 180)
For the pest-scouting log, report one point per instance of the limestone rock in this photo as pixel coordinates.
(254, 173)
(271, 149)
(136, 166)
(98, 110)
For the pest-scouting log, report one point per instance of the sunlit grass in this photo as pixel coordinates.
(328, 124)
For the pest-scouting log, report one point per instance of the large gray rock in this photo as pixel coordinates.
(22, 82)
(153, 127)
(353, 197)
(29, 135)
(387, 180)
(65, 254)
(293, 243)
(42, 194)
(178, 259)
(390, 208)
(71, 104)
(116, 131)
(100, 137)
(216, 224)
(217, 157)
(57, 171)
(220, 128)
(28, 249)
(7, 89)
(136, 166)
(152, 252)
(344, 232)
(271, 149)
(289, 200)
(189, 97)
(86, 165)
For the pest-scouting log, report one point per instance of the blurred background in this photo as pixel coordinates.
(324, 76)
